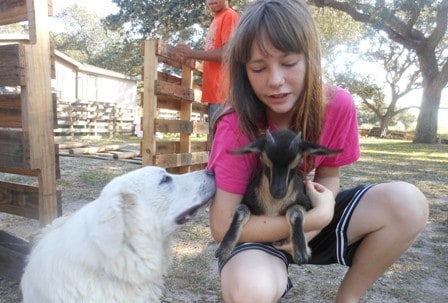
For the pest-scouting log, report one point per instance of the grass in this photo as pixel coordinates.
(97, 178)
(424, 165)
(419, 276)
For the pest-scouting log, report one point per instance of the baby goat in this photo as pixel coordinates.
(278, 190)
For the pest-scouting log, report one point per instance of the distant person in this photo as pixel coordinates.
(214, 80)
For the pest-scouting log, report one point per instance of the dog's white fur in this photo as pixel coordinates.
(116, 248)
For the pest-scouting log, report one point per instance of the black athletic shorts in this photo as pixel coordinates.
(330, 245)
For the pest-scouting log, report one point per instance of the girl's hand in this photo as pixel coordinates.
(322, 200)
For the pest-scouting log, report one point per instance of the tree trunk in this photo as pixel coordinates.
(384, 125)
(426, 130)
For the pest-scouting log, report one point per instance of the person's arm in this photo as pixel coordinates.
(257, 229)
(270, 229)
(328, 177)
(216, 55)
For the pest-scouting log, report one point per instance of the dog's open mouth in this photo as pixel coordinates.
(189, 214)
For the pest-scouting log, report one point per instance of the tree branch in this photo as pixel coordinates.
(396, 29)
(441, 25)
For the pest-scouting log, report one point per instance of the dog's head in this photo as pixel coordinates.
(150, 202)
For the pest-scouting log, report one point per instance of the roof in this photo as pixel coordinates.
(90, 69)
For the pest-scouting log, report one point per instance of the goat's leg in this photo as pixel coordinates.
(301, 251)
(228, 243)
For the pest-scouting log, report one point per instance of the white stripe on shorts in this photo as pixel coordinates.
(341, 228)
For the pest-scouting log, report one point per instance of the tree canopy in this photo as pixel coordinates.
(86, 39)
(419, 26)
(167, 20)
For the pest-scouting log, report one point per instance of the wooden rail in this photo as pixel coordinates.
(166, 91)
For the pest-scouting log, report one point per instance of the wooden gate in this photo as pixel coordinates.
(180, 142)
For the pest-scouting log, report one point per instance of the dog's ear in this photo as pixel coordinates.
(106, 227)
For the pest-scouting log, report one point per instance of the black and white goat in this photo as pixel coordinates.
(278, 190)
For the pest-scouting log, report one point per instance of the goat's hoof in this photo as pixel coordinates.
(299, 260)
(302, 257)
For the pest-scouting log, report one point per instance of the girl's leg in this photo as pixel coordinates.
(388, 218)
(253, 276)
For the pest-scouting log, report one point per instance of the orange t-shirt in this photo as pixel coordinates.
(215, 83)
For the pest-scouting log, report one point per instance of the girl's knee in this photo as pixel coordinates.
(258, 290)
(243, 280)
(407, 203)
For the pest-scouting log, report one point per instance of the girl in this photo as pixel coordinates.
(276, 82)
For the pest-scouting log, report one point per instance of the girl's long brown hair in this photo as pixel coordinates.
(289, 26)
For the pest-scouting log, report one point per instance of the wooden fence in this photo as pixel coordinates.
(26, 118)
(26, 126)
(92, 120)
(178, 90)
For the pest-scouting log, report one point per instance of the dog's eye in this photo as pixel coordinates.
(166, 179)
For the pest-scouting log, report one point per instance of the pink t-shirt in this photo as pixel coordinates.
(233, 172)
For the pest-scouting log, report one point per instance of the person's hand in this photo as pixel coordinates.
(322, 200)
(183, 51)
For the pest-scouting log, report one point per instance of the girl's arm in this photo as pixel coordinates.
(257, 229)
(270, 229)
(328, 177)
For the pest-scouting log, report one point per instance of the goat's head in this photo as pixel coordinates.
(282, 152)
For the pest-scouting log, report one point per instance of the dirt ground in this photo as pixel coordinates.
(421, 275)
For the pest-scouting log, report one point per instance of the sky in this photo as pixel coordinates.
(100, 7)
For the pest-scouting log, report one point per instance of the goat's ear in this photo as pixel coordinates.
(296, 142)
(254, 147)
(316, 149)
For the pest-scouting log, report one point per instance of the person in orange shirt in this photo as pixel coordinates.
(215, 79)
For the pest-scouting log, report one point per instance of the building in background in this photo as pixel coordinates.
(76, 81)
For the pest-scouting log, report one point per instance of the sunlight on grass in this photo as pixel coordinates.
(406, 150)
(97, 177)
(182, 250)
(384, 160)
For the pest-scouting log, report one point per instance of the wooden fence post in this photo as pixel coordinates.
(149, 102)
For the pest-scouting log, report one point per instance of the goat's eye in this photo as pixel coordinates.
(166, 179)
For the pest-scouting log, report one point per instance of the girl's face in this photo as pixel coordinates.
(277, 79)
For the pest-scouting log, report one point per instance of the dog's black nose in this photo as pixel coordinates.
(209, 172)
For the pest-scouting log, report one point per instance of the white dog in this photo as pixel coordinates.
(116, 248)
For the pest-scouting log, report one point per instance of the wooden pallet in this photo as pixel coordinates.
(168, 92)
